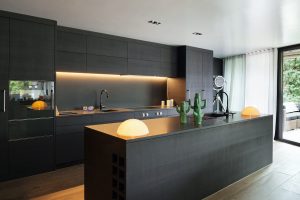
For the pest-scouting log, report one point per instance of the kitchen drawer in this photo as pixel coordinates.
(30, 128)
(172, 112)
(31, 156)
(69, 146)
(73, 120)
(151, 114)
(112, 117)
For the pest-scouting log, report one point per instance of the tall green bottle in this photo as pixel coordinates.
(199, 104)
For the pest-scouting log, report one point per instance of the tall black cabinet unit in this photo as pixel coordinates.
(196, 72)
(26, 54)
(4, 63)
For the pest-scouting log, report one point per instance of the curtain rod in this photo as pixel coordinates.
(259, 51)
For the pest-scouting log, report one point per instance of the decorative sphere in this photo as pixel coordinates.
(39, 105)
(250, 111)
(132, 128)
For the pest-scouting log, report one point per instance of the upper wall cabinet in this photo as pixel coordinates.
(143, 51)
(31, 50)
(71, 50)
(143, 58)
(84, 51)
(106, 47)
(169, 61)
(106, 55)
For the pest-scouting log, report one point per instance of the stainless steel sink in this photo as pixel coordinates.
(109, 110)
(67, 113)
(214, 115)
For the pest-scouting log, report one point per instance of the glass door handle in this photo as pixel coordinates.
(4, 101)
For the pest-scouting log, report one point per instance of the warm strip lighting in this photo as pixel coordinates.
(74, 74)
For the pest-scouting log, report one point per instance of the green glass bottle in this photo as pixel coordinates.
(183, 111)
(199, 104)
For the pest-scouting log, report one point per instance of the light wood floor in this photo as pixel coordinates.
(281, 181)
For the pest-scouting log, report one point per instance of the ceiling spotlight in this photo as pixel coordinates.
(197, 33)
(154, 22)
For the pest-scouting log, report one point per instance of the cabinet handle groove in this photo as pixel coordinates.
(4, 101)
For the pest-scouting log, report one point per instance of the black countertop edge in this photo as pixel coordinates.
(118, 110)
(207, 124)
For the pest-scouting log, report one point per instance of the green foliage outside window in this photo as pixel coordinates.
(291, 80)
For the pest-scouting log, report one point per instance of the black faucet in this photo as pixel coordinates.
(227, 113)
(102, 91)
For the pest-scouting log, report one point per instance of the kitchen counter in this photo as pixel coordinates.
(171, 125)
(116, 110)
(174, 161)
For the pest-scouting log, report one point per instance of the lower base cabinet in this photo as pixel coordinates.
(69, 145)
(31, 156)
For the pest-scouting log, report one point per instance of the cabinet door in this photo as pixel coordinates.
(143, 51)
(70, 52)
(71, 42)
(143, 67)
(31, 156)
(4, 62)
(106, 64)
(168, 65)
(70, 62)
(69, 144)
(194, 72)
(106, 47)
(208, 80)
(31, 50)
(21, 129)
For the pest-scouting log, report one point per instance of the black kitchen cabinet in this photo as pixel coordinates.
(106, 64)
(106, 55)
(70, 40)
(70, 62)
(21, 129)
(69, 144)
(143, 51)
(144, 59)
(4, 63)
(144, 67)
(69, 139)
(31, 50)
(106, 46)
(70, 50)
(31, 156)
(207, 77)
(169, 61)
(196, 71)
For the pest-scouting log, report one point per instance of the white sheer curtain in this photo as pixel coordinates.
(251, 80)
(261, 76)
(234, 74)
(261, 81)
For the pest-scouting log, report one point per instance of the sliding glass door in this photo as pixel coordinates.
(288, 116)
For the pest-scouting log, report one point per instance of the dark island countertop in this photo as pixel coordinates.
(170, 125)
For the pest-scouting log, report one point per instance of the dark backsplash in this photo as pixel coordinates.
(76, 90)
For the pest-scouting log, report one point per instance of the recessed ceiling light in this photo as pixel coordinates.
(154, 22)
(197, 33)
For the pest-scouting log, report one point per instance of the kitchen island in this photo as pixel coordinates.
(175, 161)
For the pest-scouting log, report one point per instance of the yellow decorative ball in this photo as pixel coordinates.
(39, 105)
(250, 111)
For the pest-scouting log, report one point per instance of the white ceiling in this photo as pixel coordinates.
(229, 27)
